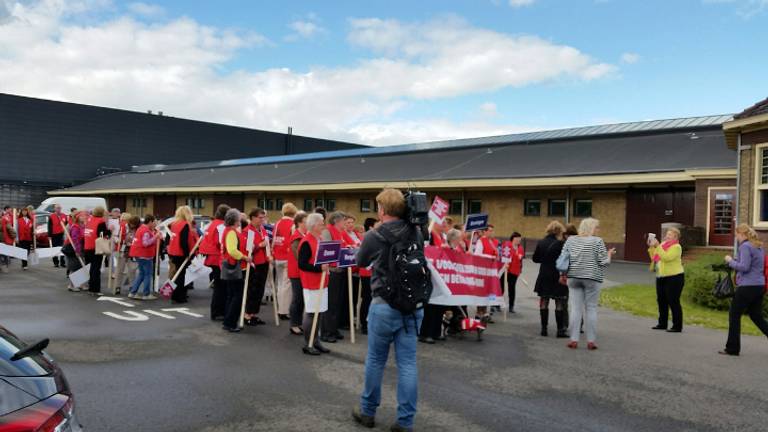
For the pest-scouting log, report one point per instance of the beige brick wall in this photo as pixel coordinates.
(138, 211)
(746, 175)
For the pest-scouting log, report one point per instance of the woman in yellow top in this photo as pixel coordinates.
(666, 258)
(231, 273)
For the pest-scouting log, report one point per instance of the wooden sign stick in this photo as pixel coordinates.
(157, 267)
(186, 260)
(241, 320)
(351, 307)
(359, 305)
(506, 291)
(319, 297)
(274, 283)
(15, 226)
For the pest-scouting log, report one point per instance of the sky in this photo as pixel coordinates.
(392, 72)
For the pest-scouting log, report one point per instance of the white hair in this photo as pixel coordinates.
(314, 219)
(587, 226)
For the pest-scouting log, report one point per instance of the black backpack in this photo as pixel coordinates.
(408, 284)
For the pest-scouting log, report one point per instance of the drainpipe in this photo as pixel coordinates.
(568, 206)
(463, 205)
(738, 190)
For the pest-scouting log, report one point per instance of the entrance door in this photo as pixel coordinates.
(721, 214)
(233, 200)
(164, 206)
(647, 209)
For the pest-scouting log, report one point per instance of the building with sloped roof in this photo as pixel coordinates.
(631, 176)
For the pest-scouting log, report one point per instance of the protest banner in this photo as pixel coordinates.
(468, 279)
(328, 252)
(347, 259)
(49, 252)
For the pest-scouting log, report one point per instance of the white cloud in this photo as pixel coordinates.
(745, 8)
(489, 110)
(178, 65)
(146, 9)
(306, 29)
(630, 58)
(520, 3)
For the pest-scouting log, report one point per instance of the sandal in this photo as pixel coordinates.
(591, 346)
(573, 345)
(296, 332)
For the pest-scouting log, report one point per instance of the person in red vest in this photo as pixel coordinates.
(350, 239)
(283, 231)
(297, 300)
(514, 268)
(311, 275)
(25, 223)
(76, 229)
(337, 283)
(231, 271)
(56, 225)
(95, 227)
(143, 249)
(183, 239)
(211, 248)
(486, 246)
(257, 279)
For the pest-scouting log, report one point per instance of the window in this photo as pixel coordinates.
(761, 187)
(365, 206)
(556, 207)
(582, 208)
(532, 207)
(320, 203)
(456, 207)
(308, 205)
(139, 202)
(267, 204)
(474, 206)
(195, 203)
(279, 204)
(330, 205)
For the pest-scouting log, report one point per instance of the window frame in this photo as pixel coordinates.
(451, 204)
(759, 186)
(575, 207)
(470, 202)
(330, 204)
(368, 208)
(309, 208)
(562, 201)
(525, 207)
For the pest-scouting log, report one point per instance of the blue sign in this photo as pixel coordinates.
(327, 252)
(348, 257)
(476, 222)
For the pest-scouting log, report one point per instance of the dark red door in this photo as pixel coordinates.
(647, 209)
(164, 206)
(721, 215)
(116, 201)
(233, 200)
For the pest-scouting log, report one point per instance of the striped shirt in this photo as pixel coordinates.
(588, 257)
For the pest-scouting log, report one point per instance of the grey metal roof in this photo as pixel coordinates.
(642, 127)
(673, 150)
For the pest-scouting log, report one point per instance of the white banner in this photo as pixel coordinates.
(13, 251)
(49, 252)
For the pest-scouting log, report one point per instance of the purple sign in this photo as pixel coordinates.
(327, 252)
(476, 222)
(348, 257)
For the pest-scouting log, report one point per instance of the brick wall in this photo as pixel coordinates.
(702, 195)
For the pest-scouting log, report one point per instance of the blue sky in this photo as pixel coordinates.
(307, 63)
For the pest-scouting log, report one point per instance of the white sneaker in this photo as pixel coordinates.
(132, 296)
(149, 297)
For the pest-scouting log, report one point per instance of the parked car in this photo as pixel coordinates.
(34, 394)
(41, 228)
(200, 221)
(66, 203)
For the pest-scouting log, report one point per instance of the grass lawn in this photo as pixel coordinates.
(640, 300)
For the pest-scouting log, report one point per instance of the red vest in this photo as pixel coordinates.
(488, 247)
(138, 250)
(211, 244)
(437, 239)
(281, 241)
(224, 252)
(311, 280)
(259, 254)
(293, 262)
(516, 266)
(174, 248)
(7, 223)
(56, 221)
(91, 229)
(25, 229)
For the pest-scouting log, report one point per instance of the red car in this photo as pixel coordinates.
(41, 228)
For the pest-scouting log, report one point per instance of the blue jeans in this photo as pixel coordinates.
(385, 326)
(145, 276)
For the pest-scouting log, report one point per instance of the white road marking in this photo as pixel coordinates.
(161, 315)
(184, 311)
(132, 316)
(115, 300)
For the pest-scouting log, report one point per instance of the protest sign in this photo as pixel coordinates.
(80, 276)
(506, 252)
(327, 252)
(13, 251)
(470, 279)
(49, 252)
(439, 210)
(195, 271)
(347, 257)
(476, 222)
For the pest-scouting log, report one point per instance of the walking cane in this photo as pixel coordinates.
(319, 298)
(351, 307)
(241, 320)
(274, 283)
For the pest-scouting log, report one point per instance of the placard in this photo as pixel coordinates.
(48, 252)
(249, 243)
(506, 252)
(196, 270)
(439, 210)
(348, 257)
(80, 276)
(327, 252)
(476, 222)
(13, 251)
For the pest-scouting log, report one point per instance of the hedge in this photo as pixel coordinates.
(700, 279)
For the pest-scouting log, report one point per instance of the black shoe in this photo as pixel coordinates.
(659, 327)
(397, 428)
(329, 339)
(217, 318)
(562, 333)
(231, 329)
(427, 340)
(310, 351)
(339, 336)
(322, 349)
(362, 419)
(675, 330)
(255, 321)
(283, 317)
(724, 352)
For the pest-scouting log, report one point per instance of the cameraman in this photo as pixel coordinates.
(386, 324)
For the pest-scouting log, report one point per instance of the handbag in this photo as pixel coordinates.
(724, 287)
(563, 261)
(103, 246)
(68, 251)
(230, 271)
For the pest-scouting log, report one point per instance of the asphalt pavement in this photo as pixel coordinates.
(178, 371)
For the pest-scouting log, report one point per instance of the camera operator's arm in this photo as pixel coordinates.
(369, 250)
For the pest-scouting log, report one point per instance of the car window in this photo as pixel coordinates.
(36, 365)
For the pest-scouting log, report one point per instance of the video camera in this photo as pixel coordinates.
(417, 208)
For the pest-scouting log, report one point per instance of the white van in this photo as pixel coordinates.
(67, 202)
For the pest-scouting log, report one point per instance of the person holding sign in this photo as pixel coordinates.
(486, 246)
(257, 279)
(76, 242)
(211, 248)
(183, 238)
(296, 310)
(8, 235)
(142, 249)
(96, 227)
(337, 284)
(282, 232)
(25, 223)
(513, 268)
(313, 278)
(231, 271)
(56, 232)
